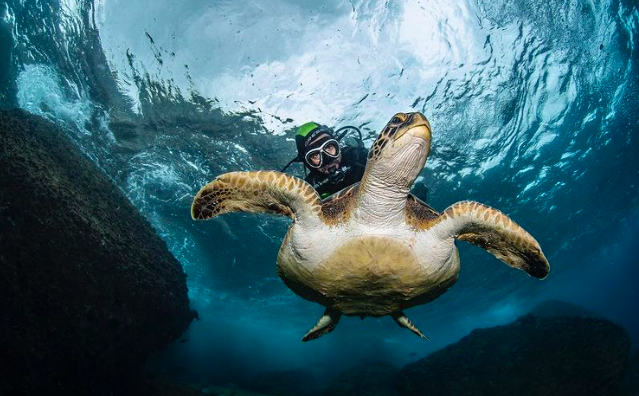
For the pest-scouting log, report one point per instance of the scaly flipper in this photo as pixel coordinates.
(492, 230)
(257, 192)
(325, 325)
(403, 321)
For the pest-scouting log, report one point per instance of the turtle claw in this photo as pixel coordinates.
(325, 325)
(403, 321)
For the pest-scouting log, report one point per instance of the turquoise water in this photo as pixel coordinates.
(533, 109)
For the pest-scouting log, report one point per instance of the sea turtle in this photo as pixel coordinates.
(373, 249)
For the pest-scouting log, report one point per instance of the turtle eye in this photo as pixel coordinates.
(396, 120)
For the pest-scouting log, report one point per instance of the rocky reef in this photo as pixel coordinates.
(87, 288)
(532, 356)
(372, 380)
(630, 385)
(168, 388)
(298, 382)
(557, 349)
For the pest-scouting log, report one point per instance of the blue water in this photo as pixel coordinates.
(533, 108)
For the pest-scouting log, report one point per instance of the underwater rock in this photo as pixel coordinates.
(531, 356)
(298, 382)
(169, 388)
(371, 380)
(630, 385)
(88, 289)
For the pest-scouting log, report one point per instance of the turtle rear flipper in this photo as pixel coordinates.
(325, 325)
(403, 321)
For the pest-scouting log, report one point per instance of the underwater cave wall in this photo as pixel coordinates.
(88, 289)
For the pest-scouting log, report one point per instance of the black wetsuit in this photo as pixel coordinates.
(350, 172)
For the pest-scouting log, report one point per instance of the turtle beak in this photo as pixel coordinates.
(421, 132)
(417, 126)
(420, 127)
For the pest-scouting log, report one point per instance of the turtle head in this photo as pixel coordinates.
(399, 153)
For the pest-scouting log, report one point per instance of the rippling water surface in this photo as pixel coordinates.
(532, 105)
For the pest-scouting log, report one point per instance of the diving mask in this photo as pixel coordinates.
(315, 158)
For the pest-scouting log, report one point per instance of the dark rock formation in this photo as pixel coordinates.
(630, 385)
(87, 289)
(372, 380)
(298, 382)
(168, 388)
(532, 356)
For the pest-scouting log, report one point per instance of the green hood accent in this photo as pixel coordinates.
(307, 128)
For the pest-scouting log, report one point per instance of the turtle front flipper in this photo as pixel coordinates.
(257, 192)
(325, 325)
(492, 230)
(403, 321)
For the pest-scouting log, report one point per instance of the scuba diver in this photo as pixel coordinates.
(331, 166)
